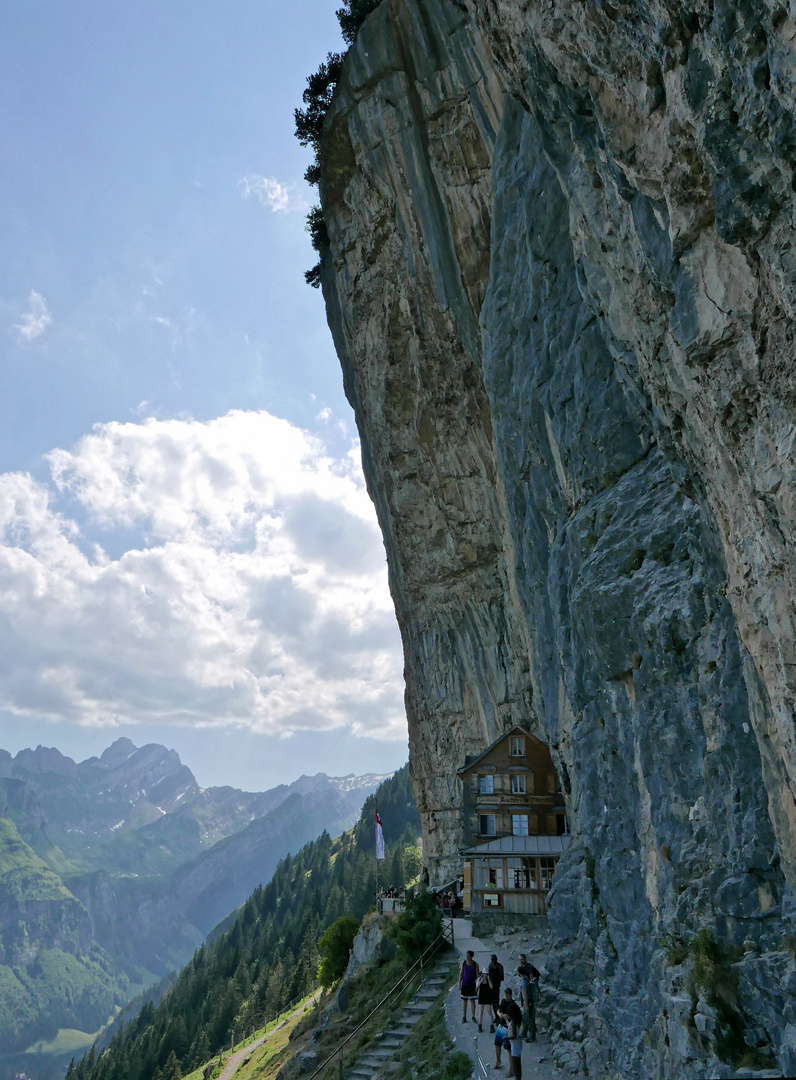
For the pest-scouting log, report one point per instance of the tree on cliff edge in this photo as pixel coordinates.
(335, 948)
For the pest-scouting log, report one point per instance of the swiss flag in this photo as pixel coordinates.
(379, 837)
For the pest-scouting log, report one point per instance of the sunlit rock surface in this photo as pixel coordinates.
(565, 320)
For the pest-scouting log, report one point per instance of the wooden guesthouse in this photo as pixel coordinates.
(515, 827)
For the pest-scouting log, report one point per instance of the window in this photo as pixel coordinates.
(562, 825)
(486, 785)
(486, 823)
(517, 784)
(491, 900)
(519, 824)
(517, 746)
(552, 783)
(547, 867)
(519, 873)
(495, 873)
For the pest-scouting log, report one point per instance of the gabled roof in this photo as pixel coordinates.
(516, 730)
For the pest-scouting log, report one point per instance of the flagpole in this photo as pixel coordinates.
(379, 853)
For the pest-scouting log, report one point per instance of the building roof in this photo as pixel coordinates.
(516, 730)
(521, 845)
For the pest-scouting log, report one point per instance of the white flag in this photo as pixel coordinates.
(379, 838)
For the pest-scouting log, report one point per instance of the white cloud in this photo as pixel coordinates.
(274, 195)
(236, 575)
(34, 321)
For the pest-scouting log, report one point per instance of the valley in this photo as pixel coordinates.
(113, 870)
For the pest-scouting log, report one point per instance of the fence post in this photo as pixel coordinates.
(421, 970)
(340, 1059)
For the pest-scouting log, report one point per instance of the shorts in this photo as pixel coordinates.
(516, 1048)
(501, 1035)
(468, 993)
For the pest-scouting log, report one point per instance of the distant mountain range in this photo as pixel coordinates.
(113, 870)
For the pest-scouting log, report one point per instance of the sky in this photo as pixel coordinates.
(188, 554)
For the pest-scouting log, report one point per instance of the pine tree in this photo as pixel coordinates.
(172, 1070)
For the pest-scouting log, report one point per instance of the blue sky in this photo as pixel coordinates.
(187, 552)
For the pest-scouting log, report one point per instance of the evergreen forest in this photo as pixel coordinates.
(266, 956)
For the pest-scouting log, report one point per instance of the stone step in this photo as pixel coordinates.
(382, 1052)
(385, 1046)
(375, 1061)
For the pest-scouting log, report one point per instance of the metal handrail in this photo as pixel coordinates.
(481, 1069)
(446, 935)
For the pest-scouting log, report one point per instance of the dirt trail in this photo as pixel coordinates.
(232, 1063)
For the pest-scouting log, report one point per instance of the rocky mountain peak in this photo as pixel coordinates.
(117, 753)
(45, 759)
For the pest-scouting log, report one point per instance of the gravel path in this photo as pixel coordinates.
(537, 1060)
(232, 1062)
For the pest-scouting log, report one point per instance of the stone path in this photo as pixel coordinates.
(537, 1060)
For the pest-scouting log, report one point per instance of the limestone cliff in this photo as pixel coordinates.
(560, 282)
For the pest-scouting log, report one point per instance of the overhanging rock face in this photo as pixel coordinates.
(408, 192)
(564, 318)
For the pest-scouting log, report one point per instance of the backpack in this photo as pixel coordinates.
(536, 993)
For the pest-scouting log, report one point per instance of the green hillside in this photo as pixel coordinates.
(267, 955)
(51, 973)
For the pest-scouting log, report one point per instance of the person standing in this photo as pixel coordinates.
(496, 977)
(511, 1016)
(484, 990)
(529, 995)
(467, 980)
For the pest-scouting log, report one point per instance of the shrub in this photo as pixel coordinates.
(418, 926)
(353, 15)
(317, 98)
(335, 948)
(309, 121)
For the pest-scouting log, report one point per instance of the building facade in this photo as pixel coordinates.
(515, 826)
